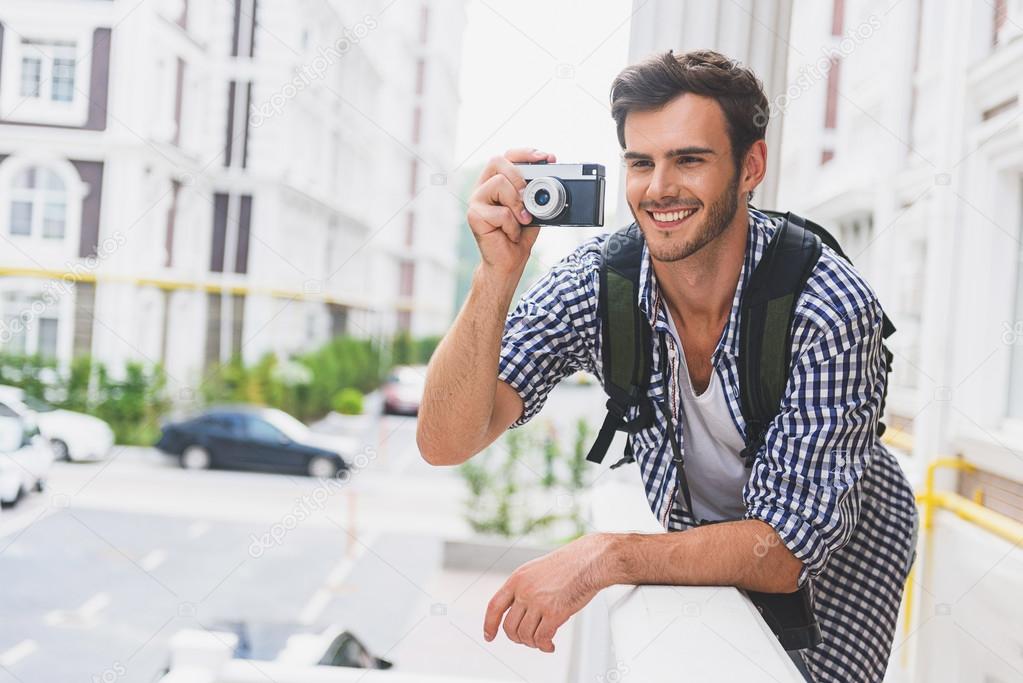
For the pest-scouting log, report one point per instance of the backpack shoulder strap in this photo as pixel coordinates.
(767, 309)
(766, 316)
(625, 337)
(887, 327)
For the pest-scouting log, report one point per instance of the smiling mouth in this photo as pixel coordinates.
(670, 219)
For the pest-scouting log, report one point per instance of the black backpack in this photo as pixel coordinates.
(766, 313)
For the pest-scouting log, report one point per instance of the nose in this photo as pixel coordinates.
(664, 183)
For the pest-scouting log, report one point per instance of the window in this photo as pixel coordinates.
(420, 76)
(47, 345)
(38, 204)
(31, 76)
(48, 70)
(261, 430)
(424, 23)
(219, 423)
(406, 278)
(1013, 335)
(831, 105)
(29, 326)
(417, 124)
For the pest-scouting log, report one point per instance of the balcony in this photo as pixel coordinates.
(657, 633)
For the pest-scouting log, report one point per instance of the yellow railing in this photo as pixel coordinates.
(971, 511)
(171, 284)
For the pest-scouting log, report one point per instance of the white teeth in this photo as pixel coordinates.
(672, 216)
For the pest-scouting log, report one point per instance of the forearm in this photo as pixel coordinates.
(461, 381)
(747, 554)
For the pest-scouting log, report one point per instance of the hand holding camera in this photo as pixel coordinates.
(524, 189)
(497, 214)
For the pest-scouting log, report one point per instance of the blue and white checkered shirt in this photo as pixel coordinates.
(823, 480)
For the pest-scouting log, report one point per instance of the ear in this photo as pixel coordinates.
(754, 167)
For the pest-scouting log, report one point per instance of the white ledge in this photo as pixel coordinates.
(661, 633)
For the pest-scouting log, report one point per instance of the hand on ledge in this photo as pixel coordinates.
(542, 594)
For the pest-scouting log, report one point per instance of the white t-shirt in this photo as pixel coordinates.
(715, 472)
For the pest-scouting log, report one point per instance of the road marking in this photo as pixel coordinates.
(94, 605)
(153, 560)
(335, 581)
(197, 529)
(18, 652)
(86, 615)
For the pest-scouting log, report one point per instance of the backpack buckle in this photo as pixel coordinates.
(615, 408)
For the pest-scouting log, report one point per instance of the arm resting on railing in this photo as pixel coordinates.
(542, 594)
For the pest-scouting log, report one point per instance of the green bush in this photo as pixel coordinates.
(132, 405)
(503, 482)
(348, 401)
(334, 376)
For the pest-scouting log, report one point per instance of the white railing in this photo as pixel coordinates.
(662, 633)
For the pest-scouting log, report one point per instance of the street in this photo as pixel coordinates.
(115, 557)
(106, 565)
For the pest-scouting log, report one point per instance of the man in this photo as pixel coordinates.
(824, 501)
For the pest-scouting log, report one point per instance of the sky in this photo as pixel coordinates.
(537, 74)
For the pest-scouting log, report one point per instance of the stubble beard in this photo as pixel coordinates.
(719, 215)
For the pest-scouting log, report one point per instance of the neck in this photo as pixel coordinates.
(699, 289)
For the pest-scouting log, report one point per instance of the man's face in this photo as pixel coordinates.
(681, 183)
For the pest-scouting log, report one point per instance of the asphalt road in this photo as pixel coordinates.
(102, 569)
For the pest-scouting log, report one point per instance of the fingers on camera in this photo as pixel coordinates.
(500, 217)
(500, 166)
(501, 191)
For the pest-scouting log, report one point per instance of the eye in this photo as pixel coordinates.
(639, 163)
(689, 160)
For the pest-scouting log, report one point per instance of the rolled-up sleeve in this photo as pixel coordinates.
(552, 330)
(805, 480)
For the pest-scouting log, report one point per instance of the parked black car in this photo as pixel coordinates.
(254, 438)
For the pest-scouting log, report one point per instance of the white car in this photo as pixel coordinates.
(25, 457)
(73, 436)
(10, 482)
(403, 390)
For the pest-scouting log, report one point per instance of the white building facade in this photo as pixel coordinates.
(903, 133)
(899, 127)
(183, 181)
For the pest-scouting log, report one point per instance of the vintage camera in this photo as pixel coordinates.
(564, 194)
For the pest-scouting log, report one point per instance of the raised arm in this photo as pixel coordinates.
(465, 407)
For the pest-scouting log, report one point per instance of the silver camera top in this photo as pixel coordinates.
(562, 171)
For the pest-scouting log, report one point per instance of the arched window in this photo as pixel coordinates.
(38, 203)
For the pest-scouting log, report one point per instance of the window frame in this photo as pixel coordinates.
(21, 299)
(43, 109)
(74, 191)
(40, 199)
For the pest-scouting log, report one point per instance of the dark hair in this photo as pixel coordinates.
(657, 80)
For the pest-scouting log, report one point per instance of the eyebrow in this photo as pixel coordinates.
(679, 152)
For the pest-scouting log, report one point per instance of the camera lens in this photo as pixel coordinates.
(545, 198)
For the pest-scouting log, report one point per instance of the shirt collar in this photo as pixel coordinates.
(761, 229)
